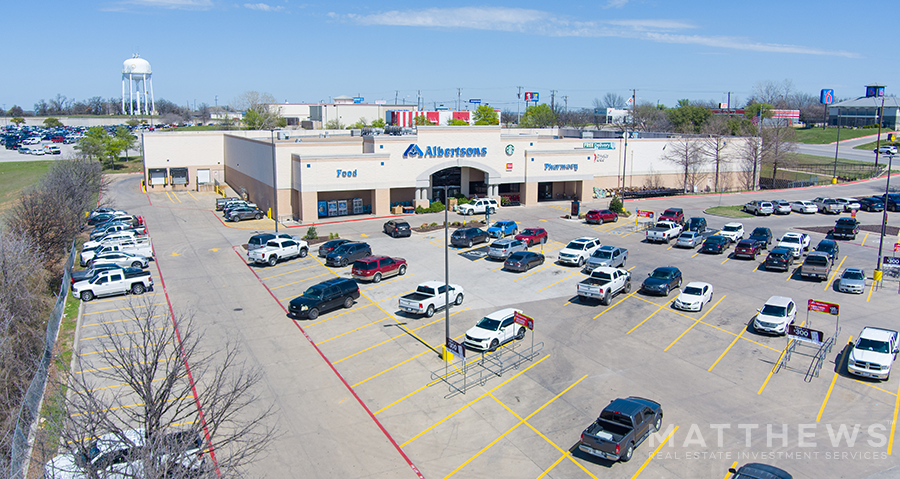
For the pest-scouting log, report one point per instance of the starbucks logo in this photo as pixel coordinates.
(510, 149)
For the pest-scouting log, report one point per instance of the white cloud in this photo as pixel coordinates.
(537, 22)
(174, 4)
(263, 7)
(615, 4)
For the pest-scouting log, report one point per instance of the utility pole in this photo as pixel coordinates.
(458, 98)
(625, 150)
(418, 99)
(729, 104)
(518, 97)
(566, 101)
(396, 96)
(553, 100)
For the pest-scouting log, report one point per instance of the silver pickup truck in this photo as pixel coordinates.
(604, 283)
(663, 232)
(816, 266)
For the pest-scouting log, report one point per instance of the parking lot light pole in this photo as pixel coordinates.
(887, 188)
(274, 185)
(447, 355)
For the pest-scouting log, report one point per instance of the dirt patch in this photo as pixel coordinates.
(889, 230)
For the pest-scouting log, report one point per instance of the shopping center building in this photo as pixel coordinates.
(297, 172)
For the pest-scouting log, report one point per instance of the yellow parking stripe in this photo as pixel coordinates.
(830, 280)
(286, 272)
(118, 321)
(320, 321)
(117, 309)
(615, 304)
(126, 407)
(894, 422)
(386, 341)
(295, 282)
(655, 452)
(122, 334)
(648, 317)
(696, 321)
(531, 272)
(83, 371)
(388, 281)
(567, 277)
(726, 349)
(354, 330)
(399, 364)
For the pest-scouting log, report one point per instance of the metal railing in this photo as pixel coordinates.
(20, 456)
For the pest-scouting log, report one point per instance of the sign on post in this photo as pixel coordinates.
(891, 260)
(456, 348)
(644, 214)
(826, 97)
(358, 99)
(526, 321)
(805, 334)
(475, 100)
(822, 307)
(896, 247)
(532, 96)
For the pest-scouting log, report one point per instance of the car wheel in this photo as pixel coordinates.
(701, 306)
(515, 231)
(657, 425)
(344, 262)
(628, 453)
(258, 216)
(376, 278)
(348, 303)
(137, 288)
(303, 252)
(494, 345)
(87, 296)
(491, 211)
(679, 282)
(580, 262)
(605, 300)
(470, 243)
(628, 286)
(521, 334)
(459, 299)
(430, 311)
(136, 264)
(272, 260)
(402, 270)
(313, 313)
(615, 219)
(236, 219)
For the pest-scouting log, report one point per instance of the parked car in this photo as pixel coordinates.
(733, 231)
(89, 273)
(623, 425)
(886, 150)
(803, 206)
(697, 224)
(502, 229)
(694, 295)
(600, 216)
(578, 251)
(828, 205)
(779, 259)
(121, 259)
(502, 248)
(533, 236)
(323, 297)
(755, 470)
(259, 240)
(715, 244)
(891, 201)
(797, 242)
(781, 207)
(245, 213)
(675, 215)
(278, 249)
(816, 266)
(689, 239)
(829, 247)
(523, 261)
(329, 246)
(494, 330)
(747, 248)
(611, 256)
(775, 316)
(348, 253)
(759, 207)
(871, 204)
(874, 353)
(663, 232)
(761, 235)
(221, 202)
(466, 237)
(845, 228)
(112, 282)
(849, 204)
(397, 228)
(853, 280)
(431, 296)
(662, 281)
(478, 206)
(375, 268)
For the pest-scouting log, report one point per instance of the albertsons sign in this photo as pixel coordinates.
(414, 151)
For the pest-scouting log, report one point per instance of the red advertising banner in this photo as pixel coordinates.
(896, 247)
(526, 321)
(644, 214)
(822, 307)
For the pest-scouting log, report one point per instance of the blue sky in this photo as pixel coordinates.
(211, 50)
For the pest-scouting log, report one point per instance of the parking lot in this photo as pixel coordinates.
(715, 377)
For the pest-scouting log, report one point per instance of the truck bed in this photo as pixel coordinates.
(603, 435)
(416, 297)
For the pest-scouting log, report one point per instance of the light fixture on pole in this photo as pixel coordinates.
(274, 185)
(884, 215)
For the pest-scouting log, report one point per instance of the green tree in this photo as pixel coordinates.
(334, 125)
(92, 144)
(688, 117)
(18, 120)
(378, 123)
(52, 122)
(124, 139)
(422, 120)
(359, 124)
(132, 122)
(485, 115)
(753, 111)
(16, 110)
(540, 116)
(260, 111)
(457, 122)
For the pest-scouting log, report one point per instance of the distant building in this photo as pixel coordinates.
(866, 110)
(782, 117)
(345, 110)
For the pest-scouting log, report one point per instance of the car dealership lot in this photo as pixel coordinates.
(705, 368)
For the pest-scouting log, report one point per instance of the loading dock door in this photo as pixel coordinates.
(202, 177)
(157, 176)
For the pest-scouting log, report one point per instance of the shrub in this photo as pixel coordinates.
(615, 205)
(436, 207)
(420, 210)
(461, 200)
(424, 225)
(504, 200)
(311, 233)
(433, 224)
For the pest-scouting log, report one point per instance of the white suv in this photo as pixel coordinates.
(494, 330)
(478, 206)
(579, 250)
(886, 150)
(776, 315)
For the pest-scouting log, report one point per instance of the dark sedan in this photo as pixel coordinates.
(245, 213)
(715, 244)
(397, 228)
(600, 216)
(329, 246)
(523, 261)
(466, 237)
(747, 248)
(662, 281)
(871, 204)
(348, 253)
(762, 235)
(779, 259)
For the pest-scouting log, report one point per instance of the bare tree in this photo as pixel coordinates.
(749, 158)
(779, 94)
(688, 154)
(613, 100)
(260, 110)
(716, 143)
(779, 143)
(647, 117)
(168, 383)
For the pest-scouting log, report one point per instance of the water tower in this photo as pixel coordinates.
(136, 72)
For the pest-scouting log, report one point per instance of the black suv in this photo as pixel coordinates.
(397, 228)
(324, 296)
(829, 247)
(697, 224)
(779, 258)
(348, 253)
(762, 235)
(468, 236)
(891, 201)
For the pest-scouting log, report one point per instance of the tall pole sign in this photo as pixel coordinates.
(826, 97)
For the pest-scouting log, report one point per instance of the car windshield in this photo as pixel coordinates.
(732, 228)
(759, 232)
(314, 292)
(790, 239)
(686, 236)
(772, 310)
(500, 245)
(670, 213)
(489, 324)
(692, 290)
(602, 254)
(661, 274)
(778, 255)
(530, 232)
(576, 246)
(498, 225)
(519, 256)
(853, 275)
(872, 345)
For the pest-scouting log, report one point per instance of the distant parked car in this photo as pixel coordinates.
(871, 204)
(523, 261)
(715, 244)
(675, 215)
(693, 296)
(533, 236)
(348, 253)
(502, 248)
(829, 247)
(891, 201)
(689, 239)
(775, 316)
(762, 235)
(578, 251)
(329, 246)
(697, 224)
(828, 205)
(600, 216)
(733, 231)
(779, 259)
(374, 268)
(325, 296)
(797, 242)
(803, 206)
(886, 150)
(221, 202)
(781, 207)
(853, 280)
(662, 281)
(747, 248)
(466, 237)
(759, 207)
(397, 228)
(849, 204)
(611, 256)
(502, 229)
(245, 213)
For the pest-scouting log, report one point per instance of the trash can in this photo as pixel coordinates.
(576, 206)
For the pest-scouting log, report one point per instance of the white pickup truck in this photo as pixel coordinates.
(604, 283)
(663, 232)
(113, 237)
(112, 282)
(429, 297)
(139, 246)
(278, 249)
(874, 353)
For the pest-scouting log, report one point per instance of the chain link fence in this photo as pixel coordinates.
(31, 405)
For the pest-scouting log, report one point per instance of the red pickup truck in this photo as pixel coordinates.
(675, 215)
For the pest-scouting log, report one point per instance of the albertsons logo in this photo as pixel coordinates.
(413, 151)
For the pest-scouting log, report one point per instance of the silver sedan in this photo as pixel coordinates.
(852, 281)
(689, 239)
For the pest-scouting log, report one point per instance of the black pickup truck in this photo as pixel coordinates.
(845, 228)
(622, 426)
